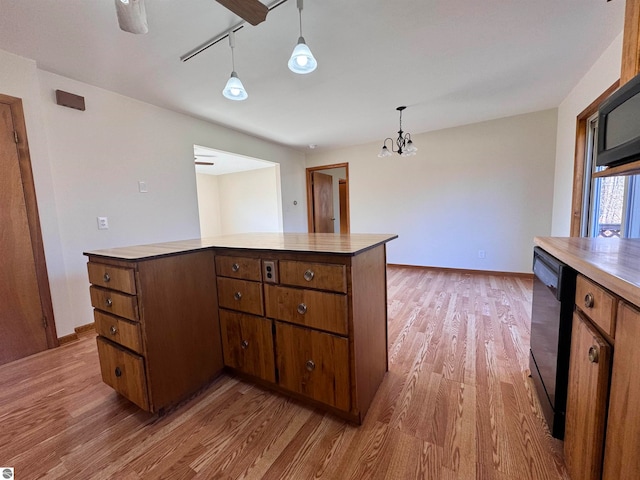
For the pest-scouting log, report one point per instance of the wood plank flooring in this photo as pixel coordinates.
(456, 403)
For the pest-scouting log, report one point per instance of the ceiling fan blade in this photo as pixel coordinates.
(253, 11)
(204, 163)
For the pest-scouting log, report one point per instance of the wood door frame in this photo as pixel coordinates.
(310, 171)
(578, 162)
(33, 218)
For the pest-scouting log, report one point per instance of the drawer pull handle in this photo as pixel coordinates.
(593, 355)
(244, 345)
(237, 296)
(113, 330)
(235, 267)
(311, 365)
(302, 309)
(588, 300)
(118, 372)
(106, 277)
(108, 302)
(308, 275)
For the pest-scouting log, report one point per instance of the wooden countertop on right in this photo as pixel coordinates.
(614, 263)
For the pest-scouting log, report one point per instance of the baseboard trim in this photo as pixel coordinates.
(463, 270)
(72, 337)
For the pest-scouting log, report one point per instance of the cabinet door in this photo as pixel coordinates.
(314, 364)
(622, 454)
(247, 344)
(589, 368)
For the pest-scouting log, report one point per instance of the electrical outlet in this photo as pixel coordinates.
(103, 223)
(481, 254)
(270, 271)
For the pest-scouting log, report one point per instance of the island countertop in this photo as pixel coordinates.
(614, 263)
(344, 244)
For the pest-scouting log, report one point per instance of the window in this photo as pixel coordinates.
(611, 205)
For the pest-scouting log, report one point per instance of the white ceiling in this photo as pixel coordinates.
(452, 62)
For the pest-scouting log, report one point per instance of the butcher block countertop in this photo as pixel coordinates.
(614, 263)
(347, 244)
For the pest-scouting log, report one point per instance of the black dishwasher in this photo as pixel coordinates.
(554, 287)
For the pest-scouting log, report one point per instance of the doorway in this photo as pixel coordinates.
(328, 198)
(26, 310)
(236, 193)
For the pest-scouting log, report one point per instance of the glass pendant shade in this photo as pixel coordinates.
(411, 148)
(302, 60)
(384, 152)
(234, 90)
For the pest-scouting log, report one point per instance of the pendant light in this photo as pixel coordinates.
(302, 60)
(234, 90)
(405, 146)
(132, 16)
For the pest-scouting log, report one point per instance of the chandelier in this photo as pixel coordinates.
(406, 148)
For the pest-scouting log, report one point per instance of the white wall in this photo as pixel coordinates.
(486, 186)
(249, 201)
(208, 204)
(600, 77)
(88, 164)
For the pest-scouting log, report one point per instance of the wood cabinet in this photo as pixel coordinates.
(320, 318)
(303, 314)
(159, 338)
(586, 400)
(622, 451)
(589, 374)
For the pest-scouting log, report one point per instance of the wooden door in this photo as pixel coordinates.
(26, 314)
(587, 394)
(323, 218)
(342, 193)
(621, 458)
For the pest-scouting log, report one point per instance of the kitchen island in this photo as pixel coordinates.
(602, 416)
(302, 314)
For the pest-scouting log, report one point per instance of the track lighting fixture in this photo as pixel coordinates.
(132, 16)
(302, 60)
(234, 90)
(406, 147)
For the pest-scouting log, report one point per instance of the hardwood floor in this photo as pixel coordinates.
(456, 403)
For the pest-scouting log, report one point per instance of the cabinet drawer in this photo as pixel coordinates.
(239, 267)
(241, 295)
(314, 364)
(124, 372)
(321, 276)
(247, 344)
(597, 303)
(119, 330)
(116, 278)
(325, 311)
(114, 302)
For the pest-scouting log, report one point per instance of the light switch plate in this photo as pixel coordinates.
(142, 186)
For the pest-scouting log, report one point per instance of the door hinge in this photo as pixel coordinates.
(45, 324)
(15, 136)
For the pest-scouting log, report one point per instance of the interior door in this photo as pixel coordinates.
(323, 218)
(23, 323)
